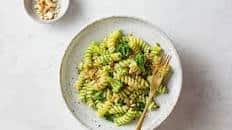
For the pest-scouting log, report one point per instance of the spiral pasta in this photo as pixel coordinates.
(86, 93)
(101, 83)
(130, 64)
(108, 59)
(116, 84)
(153, 106)
(134, 83)
(79, 83)
(134, 68)
(118, 109)
(112, 38)
(114, 77)
(104, 108)
(88, 55)
(120, 71)
(126, 118)
(154, 53)
(134, 43)
(162, 90)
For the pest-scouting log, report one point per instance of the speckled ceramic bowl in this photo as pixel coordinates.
(96, 31)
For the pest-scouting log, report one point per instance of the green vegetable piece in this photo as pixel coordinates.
(98, 96)
(109, 117)
(124, 49)
(140, 60)
(140, 106)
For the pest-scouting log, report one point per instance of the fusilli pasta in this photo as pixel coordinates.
(114, 76)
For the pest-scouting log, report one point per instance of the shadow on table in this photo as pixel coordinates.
(71, 15)
(189, 106)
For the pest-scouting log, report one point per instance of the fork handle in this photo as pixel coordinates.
(141, 119)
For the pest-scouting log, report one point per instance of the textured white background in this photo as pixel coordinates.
(30, 55)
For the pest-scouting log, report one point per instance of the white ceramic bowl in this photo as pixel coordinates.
(64, 4)
(96, 31)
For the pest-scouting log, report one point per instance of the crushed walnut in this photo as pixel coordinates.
(46, 9)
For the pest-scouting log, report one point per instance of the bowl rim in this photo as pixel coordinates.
(35, 18)
(161, 120)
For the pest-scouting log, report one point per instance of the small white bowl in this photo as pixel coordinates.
(28, 5)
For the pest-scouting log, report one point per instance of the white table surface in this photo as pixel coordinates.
(30, 56)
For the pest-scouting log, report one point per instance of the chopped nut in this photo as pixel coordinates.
(133, 105)
(46, 9)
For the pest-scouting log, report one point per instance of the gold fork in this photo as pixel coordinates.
(157, 77)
